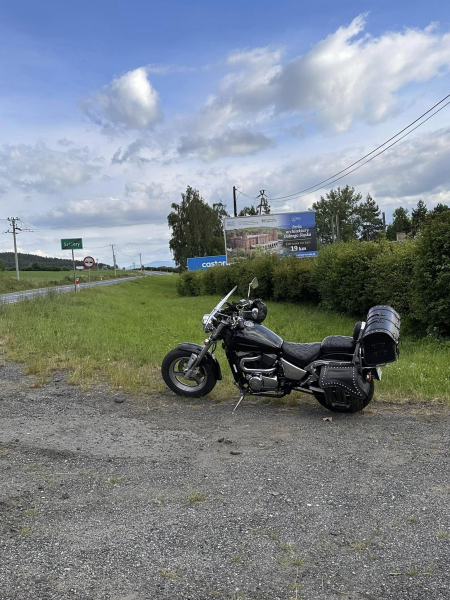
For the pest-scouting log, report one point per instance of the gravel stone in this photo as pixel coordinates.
(137, 501)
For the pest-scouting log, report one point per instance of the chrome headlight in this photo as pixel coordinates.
(205, 322)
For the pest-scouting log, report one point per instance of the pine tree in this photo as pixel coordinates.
(401, 223)
(371, 222)
(418, 217)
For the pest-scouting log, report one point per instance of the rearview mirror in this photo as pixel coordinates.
(253, 284)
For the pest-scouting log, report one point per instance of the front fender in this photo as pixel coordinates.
(196, 349)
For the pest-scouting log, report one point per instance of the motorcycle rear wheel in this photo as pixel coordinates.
(355, 404)
(172, 370)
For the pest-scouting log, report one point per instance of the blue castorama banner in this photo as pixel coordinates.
(206, 262)
(285, 233)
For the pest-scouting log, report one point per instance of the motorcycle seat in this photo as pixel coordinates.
(300, 354)
(340, 344)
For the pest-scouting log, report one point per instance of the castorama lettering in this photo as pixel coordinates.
(206, 262)
(206, 265)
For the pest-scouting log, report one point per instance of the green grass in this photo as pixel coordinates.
(36, 279)
(121, 334)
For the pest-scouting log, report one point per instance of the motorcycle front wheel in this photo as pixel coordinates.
(172, 370)
(354, 405)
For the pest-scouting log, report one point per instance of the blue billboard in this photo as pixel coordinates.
(285, 233)
(206, 262)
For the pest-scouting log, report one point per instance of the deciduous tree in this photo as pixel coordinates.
(196, 228)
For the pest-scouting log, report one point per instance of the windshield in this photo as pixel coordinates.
(218, 307)
(222, 302)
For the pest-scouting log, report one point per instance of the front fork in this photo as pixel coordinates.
(196, 359)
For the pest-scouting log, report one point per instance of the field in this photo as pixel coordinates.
(36, 279)
(122, 333)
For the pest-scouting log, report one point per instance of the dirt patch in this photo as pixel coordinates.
(105, 496)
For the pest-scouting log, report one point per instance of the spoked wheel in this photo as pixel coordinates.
(173, 367)
(350, 404)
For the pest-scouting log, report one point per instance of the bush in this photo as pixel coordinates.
(293, 280)
(188, 284)
(343, 275)
(413, 277)
(432, 276)
(393, 275)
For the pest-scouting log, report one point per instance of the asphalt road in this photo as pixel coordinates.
(60, 289)
(105, 496)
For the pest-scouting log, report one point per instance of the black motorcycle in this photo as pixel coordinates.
(339, 371)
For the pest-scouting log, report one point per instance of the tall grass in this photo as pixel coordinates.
(122, 333)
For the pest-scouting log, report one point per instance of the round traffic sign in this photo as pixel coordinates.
(88, 262)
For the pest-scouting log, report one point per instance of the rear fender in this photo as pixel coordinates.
(208, 358)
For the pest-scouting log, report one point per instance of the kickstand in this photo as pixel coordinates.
(240, 400)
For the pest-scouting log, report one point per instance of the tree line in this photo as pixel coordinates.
(342, 215)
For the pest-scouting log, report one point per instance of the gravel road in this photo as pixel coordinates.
(106, 496)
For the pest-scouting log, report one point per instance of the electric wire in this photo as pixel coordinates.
(300, 195)
(295, 195)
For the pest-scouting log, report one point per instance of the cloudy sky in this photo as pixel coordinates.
(108, 110)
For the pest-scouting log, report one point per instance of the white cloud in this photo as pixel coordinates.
(128, 102)
(150, 190)
(345, 77)
(38, 168)
(130, 154)
(232, 142)
(145, 205)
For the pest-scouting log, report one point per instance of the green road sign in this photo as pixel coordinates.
(72, 244)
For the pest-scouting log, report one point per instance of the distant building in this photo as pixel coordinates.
(247, 242)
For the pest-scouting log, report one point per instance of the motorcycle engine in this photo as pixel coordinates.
(259, 371)
(261, 383)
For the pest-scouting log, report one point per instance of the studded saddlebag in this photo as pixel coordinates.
(381, 336)
(346, 378)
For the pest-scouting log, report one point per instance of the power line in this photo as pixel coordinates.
(300, 194)
(311, 188)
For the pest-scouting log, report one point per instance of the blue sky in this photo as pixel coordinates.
(108, 110)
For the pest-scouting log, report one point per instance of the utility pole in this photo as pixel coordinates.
(15, 229)
(97, 265)
(114, 260)
(235, 201)
(384, 222)
(263, 203)
(332, 228)
(338, 233)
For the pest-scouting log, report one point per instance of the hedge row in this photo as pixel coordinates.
(412, 276)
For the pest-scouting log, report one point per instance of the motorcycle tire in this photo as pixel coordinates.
(355, 405)
(172, 371)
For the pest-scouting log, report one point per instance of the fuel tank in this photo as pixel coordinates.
(256, 337)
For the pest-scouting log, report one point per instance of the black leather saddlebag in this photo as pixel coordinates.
(346, 378)
(381, 336)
